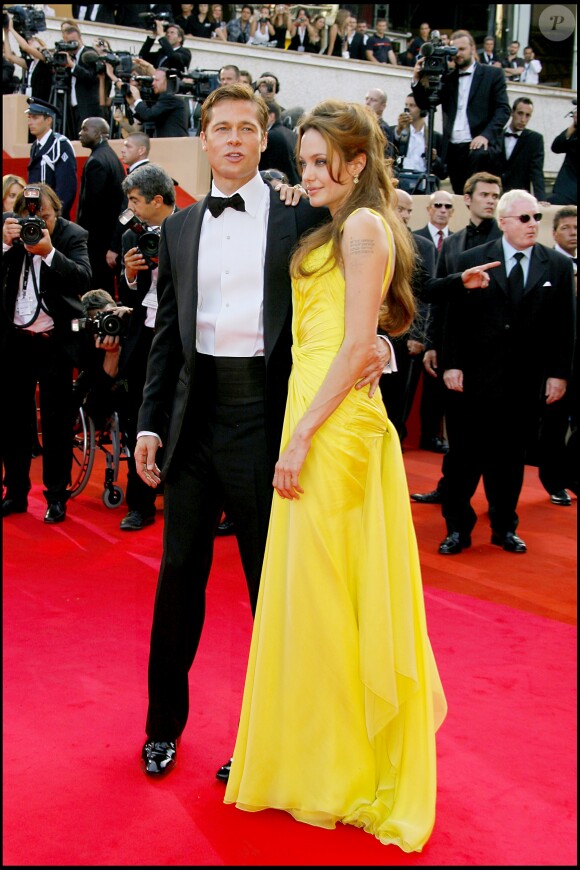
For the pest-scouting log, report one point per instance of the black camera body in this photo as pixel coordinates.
(149, 19)
(102, 324)
(147, 237)
(27, 20)
(436, 59)
(198, 82)
(32, 225)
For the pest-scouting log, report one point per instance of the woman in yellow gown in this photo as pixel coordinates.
(342, 696)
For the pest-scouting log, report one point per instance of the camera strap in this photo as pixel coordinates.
(29, 268)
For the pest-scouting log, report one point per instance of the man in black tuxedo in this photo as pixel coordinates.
(167, 115)
(52, 157)
(475, 110)
(42, 286)
(481, 195)
(519, 158)
(504, 346)
(280, 150)
(150, 194)
(565, 190)
(171, 53)
(134, 153)
(215, 392)
(100, 198)
(488, 56)
(84, 80)
(102, 12)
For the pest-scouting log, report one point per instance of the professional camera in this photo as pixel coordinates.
(102, 324)
(198, 82)
(147, 237)
(149, 19)
(145, 85)
(26, 19)
(32, 225)
(436, 59)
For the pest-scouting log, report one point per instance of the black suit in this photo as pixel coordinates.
(495, 58)
(98, 209)
(167, 114)
(565, 190)
(44, 359)
(106, 13)
(488, 110)
(180, 402)
(170, 58)
(280, 152)
(524, 169)
(489, 337)
(86, 84)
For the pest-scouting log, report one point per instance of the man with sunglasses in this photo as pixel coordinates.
(504, 346)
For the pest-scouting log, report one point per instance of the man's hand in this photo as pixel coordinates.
(415, 347)
(477, 276)
(403, 122)
(479, 142)
(43, 247)
(375, 368)
(11, 231)
(147, 468)
(134, 262)
(430, 363)
(555, 389)
(134, 94)
(453, 380)
(111, 257)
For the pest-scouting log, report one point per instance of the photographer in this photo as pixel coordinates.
(474, 102)
(150, 193)
(411, 136)
(43, 282)
(268, 86)
(37, 78)
(171, 53)
(167, 114)
(565, 190)
(262, 30)
(81, 61)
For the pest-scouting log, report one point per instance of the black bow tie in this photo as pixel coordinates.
(217, 204)
(464, 74)
(515, 135)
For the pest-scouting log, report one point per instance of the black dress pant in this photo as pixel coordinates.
(221, 463)
(30, 359)
(486, 439)
(463, 162)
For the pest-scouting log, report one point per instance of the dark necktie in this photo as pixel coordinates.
(440, 239)
(515, 135)
(217, 204)
(34, 150)
(516, 280)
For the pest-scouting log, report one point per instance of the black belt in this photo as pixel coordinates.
(33, 334)
(233, 380)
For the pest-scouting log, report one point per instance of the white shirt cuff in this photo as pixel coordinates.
(391, 366)
(155, 435)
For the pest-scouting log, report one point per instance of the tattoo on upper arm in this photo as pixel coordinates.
(362, 246)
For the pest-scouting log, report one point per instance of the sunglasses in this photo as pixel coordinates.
(525, 218)
(442, 205)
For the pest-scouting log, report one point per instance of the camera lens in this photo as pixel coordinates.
(31, 233)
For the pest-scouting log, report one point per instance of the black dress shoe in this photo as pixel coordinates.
(224, 771)
(226, 528)
(433, 497)
(561, 497)
(134, 521)
(55, 513)
(454, 543)
(436, 445)
(159, 756)
(509, 542)
(13, 506)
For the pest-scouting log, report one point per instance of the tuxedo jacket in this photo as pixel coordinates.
(495, 58)
(106, 13)
(56, 164)
(566, 185)
(524, 169)
(101, 196)
(61, 284)
(168, 388)
(506, 353)
(167, 114)
(488, 107)
(166, 56)
(280, 152)
(87, 84)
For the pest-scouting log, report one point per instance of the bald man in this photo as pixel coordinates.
(376, 100)
(100, 198)
(439, 210)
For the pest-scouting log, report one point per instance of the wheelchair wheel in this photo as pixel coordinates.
(113, 497)
(83, 453)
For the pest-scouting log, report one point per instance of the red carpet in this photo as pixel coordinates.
(77, 608)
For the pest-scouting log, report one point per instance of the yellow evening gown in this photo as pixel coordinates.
(342, 696)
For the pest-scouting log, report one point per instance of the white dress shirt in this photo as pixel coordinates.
(26, 299)
(531, 73)
(416, 150)
(461, 131)
(510, 260)
(434, 231)
(510, 142)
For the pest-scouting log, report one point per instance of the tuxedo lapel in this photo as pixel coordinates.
(281, 237)
(494, 252)
(538, 272)
(186, 269)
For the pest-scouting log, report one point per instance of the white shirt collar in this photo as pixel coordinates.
(42, 142)
(562, 251)
(510, 252)
(252, 193)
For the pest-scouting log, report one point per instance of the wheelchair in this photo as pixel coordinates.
(87, 439)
